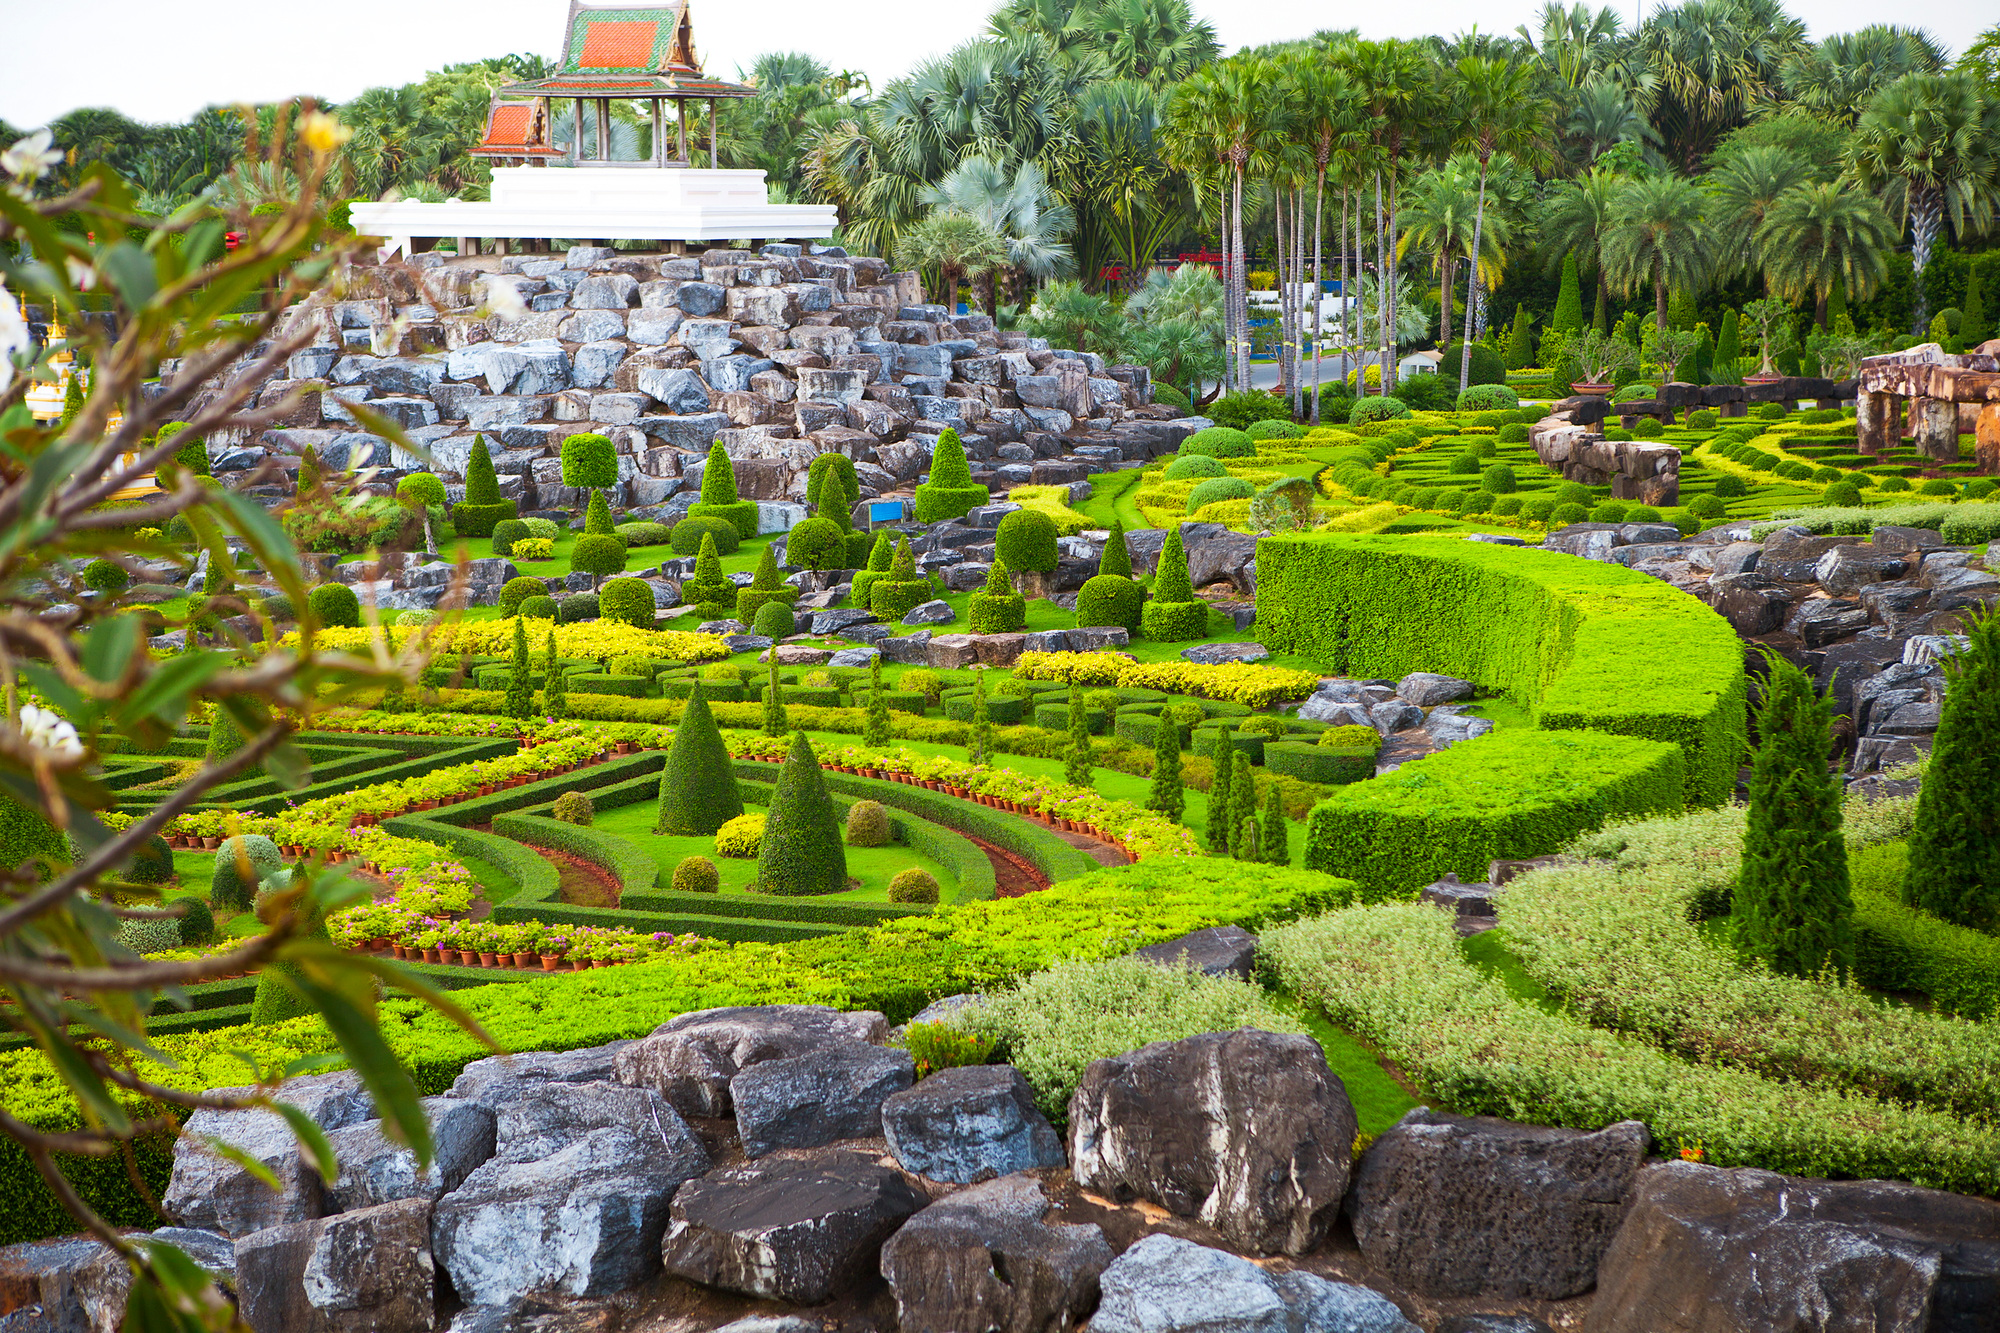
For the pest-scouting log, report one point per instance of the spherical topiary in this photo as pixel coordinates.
(1217, 489)
(518, 590)
(867, 825)
(1499, 479)
(1514, 432)
(1464, 464)
(105, 577)
(574, 807)
(775, 620)
(1979, 488)
(817, 543)
(1220, 442)
(1642, 514)
(532, 608)
(1487, 396)
(197, 923)
(1609, 511)
(915, 886)
(1378, 408)
(1564, 515)
(741, 837)
(589, 461)
(506, 532)
(1538, 508)
(1771, 412)
(335, 606)
(597, 554)
(696, 874)
(687, 535)
(1648, 428)
(1841, 494)
(1107, 600)
(1271, 429)
(1189, 466)
(1506, 506)
(1026, 541)
(421, 488)
(628, 601)
(1729, 486)
(241, 864)
(577, 607)
(152, 863)
(1487, 365)
(1706, 506)
(1890, 484)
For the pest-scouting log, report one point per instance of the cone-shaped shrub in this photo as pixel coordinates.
(999, 609)
(710, 589)
(718, 494)
(520, 686)
(1216, 834)
(555, 694)
(876, 733)
(482, 506)
(1174, 615)
(981, 749)
(950, 492)
(1117, 557)
(1728, 347)
(1274, 847)
(1076, 758)
(802, 851)
(1792, 908)
(1568, 316)
(1955, 846)
(274, 1001)
(892, 596)
(597, 517)
(879, 556)
(775, 721)
(841, 468)
(765, 586)
(1167, 797)
(698, 792)
(1242, 807)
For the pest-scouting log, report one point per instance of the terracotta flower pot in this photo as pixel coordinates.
(523, 959)
(210, 844)
(379, 942)
(580, 965)
(401, 951)
(487, 959)
(551, 961)
(1598, 390)
(600, 962)
(433, 956)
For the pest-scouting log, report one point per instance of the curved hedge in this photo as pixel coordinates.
(1586, 646)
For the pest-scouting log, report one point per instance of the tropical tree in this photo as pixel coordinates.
(1069, 316)
(1659, 236)
(1575, 218)
(1572, 44)
(1603, 114)
(1397, 80)
(1837, 78)
(1929, 146)
(1819, 239)
(954, 245)
(1017, 207)
(1128, 198)
(1158, 41)
(1331, 123)
(1501, 110)
(1440, 219)
(1743, 190)
(1712, 63)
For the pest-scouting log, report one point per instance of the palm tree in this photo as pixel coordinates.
(1439, 219)
(1130, 201)
(1576, 217)
(1572, 44)
(1816, 238)
(1744, 188)
(1501, 111)
(1659, 235)
(1155, 41)
(1018, 208)
(1398, 80)
(1605, 114)
(1929, 146)
(953, 244)
(1331, 122)
(1838, 78)
(1714, 61)
(786, 69)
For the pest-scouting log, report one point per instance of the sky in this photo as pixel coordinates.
(158, 62)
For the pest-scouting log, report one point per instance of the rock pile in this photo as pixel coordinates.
(1865, 616)
(1421, 714)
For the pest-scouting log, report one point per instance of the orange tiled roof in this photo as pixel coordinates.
(618, 45)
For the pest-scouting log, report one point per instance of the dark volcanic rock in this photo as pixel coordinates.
(791, 1230)
(212, 1193)
(690, 1060)
(368, 1271)
(1248, 1131)
(1465, 1206)
(984, 1258)
(811, 1100)
(1214, 952)
(962, 1125)
(1168, 1285)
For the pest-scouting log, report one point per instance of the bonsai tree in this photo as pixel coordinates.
(590, 462)
(718, 494)
(710, 592)
(802, 851)
(698, 792)
(1955, 844)
(1175, 614)
(950, 492)
(1772, 319)
(1792, 905)
(1599, 356)
(483, 506)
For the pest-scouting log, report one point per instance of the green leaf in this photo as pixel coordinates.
(388, 1082)
(312, 1139)
(202, 243)
(107, 649)
(57, 690)
(131, 272)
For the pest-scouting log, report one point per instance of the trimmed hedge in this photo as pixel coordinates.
(1898, 948)
(633, 867)
(1334, 766)
(1004, 710)
(591, 682)
(1584, 645)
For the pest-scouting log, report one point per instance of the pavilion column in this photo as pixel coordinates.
(1936, 424)
(714, 137)
(681, 116)
(603, 129)
(659, 153)
(576, 139)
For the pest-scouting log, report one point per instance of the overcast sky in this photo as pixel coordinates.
(161, 62)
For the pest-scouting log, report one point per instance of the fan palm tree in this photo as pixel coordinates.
(1929, 146)
(786, 69)
(1130, 200)
(1158, 41)
(1017, 207)
(1501, 111)
(1838, 78)
(1744, 188)
(1714, 62)
(1816, 238)
(1572, 44)
(954, 245)
(1659, 236)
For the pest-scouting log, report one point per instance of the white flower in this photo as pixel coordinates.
(31, 158)
(14, 336)
(45, 730)
(81, 275)
(503, 298)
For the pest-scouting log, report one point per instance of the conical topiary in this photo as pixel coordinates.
(698, 792)
(980, 751)
(1217, 830)
(879, 556)
(1568, 316)
(1174, 615)
(950, 492)
(1728, 349)
(1955, 844)
(1274, 848)
(998, 609)
(1167, 796)
(1242, 808)
(520, 683)
(1117, 557)
(1972, 329)
(765, 586)
(597, 517)
(1076, 756)
(483, 505)
(1520, 341)
(709, 591)
(1792, 906)
(876, 733)
(775, 721)
(719, 497)
(802, 852)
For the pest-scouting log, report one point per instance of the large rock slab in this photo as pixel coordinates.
(575, 1199)
(1218, 951)
(1167, 1285)
(209, 1192)
(1248, 1131)
(1705, 1250)
(690, 1060)
(809, 1101)
(1472, 1206)
(798, 1230)
(499, 1079)
(968, 1124)
(374, 1170)
(986, 1258)
(359, 1272)
(1426, 688)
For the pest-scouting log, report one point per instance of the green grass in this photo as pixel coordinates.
(1489, 952)
(873, 866)
(1379, 1100)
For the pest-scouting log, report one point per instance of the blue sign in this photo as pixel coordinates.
(885, 511)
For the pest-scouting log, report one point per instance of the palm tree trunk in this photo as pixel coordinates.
(1478, 228)
(1381, 289)
(1450, 265)
(1241, 284)
(1392, 281)
(1319, 238)
(1926, 217)
(1298, 300)
(1359, 313)
(1660, 304)
(1284, 254)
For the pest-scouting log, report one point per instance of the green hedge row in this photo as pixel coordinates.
(1898, 948)
(1037, 845)
(633, 867)
(897, 967)
(1471, 804)
(1320, 763)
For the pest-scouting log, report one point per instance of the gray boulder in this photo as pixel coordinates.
(575, 1199)
(1167, 1285)
(1705, 1250)
(1493, 1323)
(362, 1272)
(986, 1258)
(690, 1060)
(808, 1101)
(209, 1192)
(374, 1170)
(930, 613)
(1215, 952)
(969, 1124)
(1471, 1206)
(1394, 715)
(791, 1229)
(1427, 688)
(499, 1079)
(1248, 1131)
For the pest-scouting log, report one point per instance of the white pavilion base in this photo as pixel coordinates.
(636, 203)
